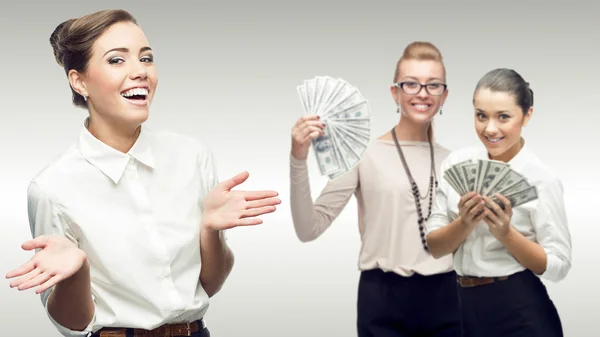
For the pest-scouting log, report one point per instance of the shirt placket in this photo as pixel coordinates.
(140, 196)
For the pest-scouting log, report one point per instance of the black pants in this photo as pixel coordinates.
(516, 307)
(390, 305)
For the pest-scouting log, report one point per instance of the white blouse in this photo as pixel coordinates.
(543, 221)
(137, 217)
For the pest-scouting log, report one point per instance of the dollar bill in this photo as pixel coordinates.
(328, 86)
(509, 179)
(326, 157)
(340, 87)
(519, 198)
(360, 134)
(489, 177)
(516, 187)
(452, 183)
(349, 157)
(470, 174)
(353, 100)
(346, 114)
(342, 95)
(481, 169)
(494, 171)
(355, 145)
(461, 190)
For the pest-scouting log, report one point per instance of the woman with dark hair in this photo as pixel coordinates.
(128, 223)
(501, 250)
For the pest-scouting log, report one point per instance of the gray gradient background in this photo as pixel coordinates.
(228, 77)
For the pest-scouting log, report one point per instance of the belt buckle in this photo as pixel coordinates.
(188, 329)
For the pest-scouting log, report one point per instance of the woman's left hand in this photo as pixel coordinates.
(498, 220)
(225, 209)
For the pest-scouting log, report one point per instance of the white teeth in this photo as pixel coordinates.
(135, 91)
(421, 106)
(494, 140)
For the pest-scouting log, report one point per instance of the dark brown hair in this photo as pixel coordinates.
(73, 39)
(508, 81)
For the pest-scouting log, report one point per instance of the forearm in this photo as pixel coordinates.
(530, 254)
(217, 260)
(447, 239)
(70, 304)
(307, 224)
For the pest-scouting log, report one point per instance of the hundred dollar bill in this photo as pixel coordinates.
(348, 156)
(452, 183)
(355, 144)
(519, 198)
(481, 169)
(494, 171)
(352, 100)
(470, 174)
(509, 179)
(327, 87)
(345, 92)
(341, 88)
(326, 156)
(460, 175)
(514, 188)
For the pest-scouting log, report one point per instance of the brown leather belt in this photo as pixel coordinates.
(167, 330)
(470, 281)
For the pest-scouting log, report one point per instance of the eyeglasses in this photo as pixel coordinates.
(413, 88)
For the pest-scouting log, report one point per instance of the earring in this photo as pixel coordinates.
(398, 108)
(440, 110)
(85, 96)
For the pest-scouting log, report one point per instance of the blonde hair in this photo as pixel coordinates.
(421, 51)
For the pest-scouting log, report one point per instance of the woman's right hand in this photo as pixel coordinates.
(304, 131)
(57, 260)
(471, 209)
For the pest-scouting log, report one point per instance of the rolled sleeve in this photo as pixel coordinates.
(66, 332)
(45, 219)
(552, 232)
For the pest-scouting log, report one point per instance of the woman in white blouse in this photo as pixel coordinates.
(500, 254)
(128, 223)
(403, 291)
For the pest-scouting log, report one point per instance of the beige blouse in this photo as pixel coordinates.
(387, 217)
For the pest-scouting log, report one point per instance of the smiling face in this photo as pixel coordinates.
(120, 79)
(498, 122)
(420, 104)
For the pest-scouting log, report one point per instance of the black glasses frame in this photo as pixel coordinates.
(421, 86)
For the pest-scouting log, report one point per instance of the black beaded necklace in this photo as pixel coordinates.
(415, 189)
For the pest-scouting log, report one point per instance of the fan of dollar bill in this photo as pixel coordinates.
(490, 177)
(347, 116)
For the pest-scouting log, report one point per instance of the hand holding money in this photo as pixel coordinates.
(304, 131)
(471, 209)
(489, 178)
(347, 114)
(498, 218)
